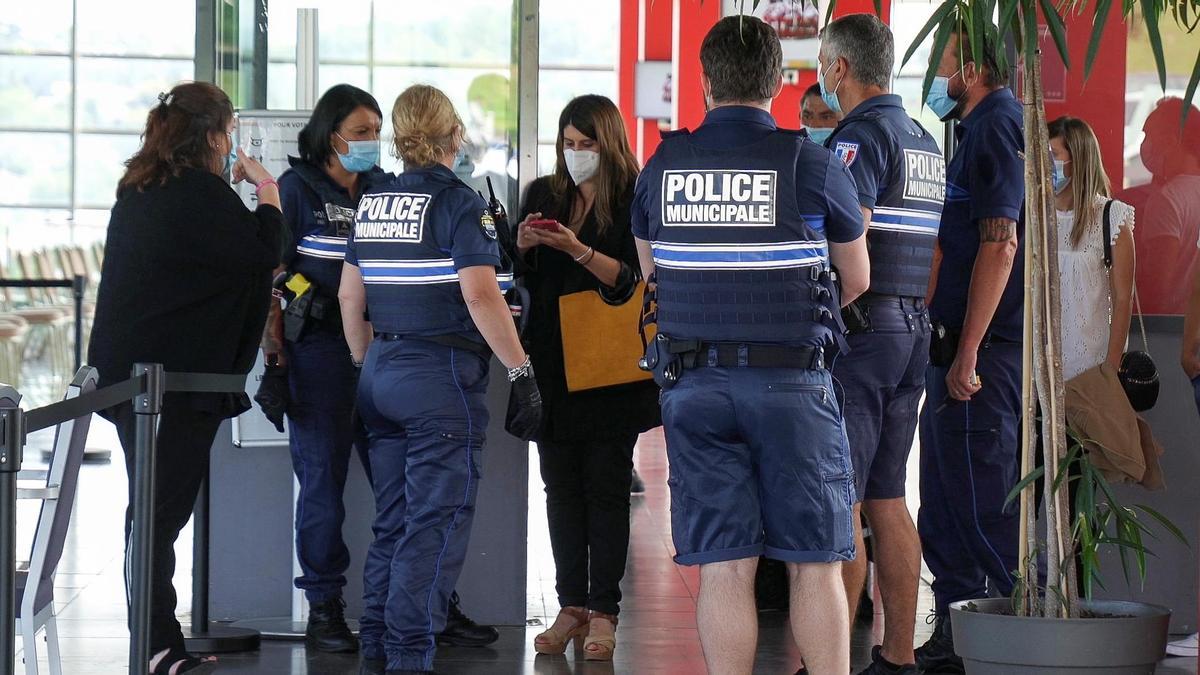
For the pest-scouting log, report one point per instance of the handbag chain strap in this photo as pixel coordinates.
(1137, 302)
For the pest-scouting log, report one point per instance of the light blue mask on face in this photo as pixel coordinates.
(819, 135)
(232, 157)
(829, 97)
(939, 100)
(1060, 179)
(363, 155)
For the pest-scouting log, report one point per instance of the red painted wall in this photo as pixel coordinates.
(1101, 99)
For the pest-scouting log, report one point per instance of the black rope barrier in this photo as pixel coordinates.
(145, 390)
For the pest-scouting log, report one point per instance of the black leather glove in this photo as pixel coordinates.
(273, 395)
(526, 417)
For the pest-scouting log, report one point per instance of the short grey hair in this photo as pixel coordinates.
(866, 44)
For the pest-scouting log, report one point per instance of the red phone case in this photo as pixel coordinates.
(543, 224)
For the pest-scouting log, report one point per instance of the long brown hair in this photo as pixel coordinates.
(597, 118)
(177, 135)
(1088, 179)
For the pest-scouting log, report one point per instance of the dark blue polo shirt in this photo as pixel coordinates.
(985, 179)
(827, 201)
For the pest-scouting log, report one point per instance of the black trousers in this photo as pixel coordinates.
(185, 438)
(587, 505)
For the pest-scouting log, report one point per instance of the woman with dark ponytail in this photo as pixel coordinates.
(185, 283)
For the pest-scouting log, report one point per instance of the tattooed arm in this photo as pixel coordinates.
(993, 265)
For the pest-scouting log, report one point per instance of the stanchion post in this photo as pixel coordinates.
(78, 286)
(12, 441)
(146, 408)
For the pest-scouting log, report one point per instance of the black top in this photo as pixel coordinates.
(548, 274)
(186, 282)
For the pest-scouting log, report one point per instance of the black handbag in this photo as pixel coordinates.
(1138, 373)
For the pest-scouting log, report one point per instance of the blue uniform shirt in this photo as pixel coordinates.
(739, 213)
(901, 177)
(412, 233)
(319, 214)
(985, 179)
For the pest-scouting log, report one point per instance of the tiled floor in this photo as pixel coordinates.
(657, 633)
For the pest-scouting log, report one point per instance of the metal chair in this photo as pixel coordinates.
(56, 489)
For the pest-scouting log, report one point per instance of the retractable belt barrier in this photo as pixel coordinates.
(78, 285)
(145, 389)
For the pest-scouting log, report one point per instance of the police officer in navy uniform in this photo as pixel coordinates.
(740, 222)
(970, 422)
(339, 150)
(901, 179)
(339, 156)
(420, 277)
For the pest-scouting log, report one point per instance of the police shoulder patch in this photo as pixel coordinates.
(487, 224)
(846, 151)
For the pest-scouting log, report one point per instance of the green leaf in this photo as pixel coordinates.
(935, 21)
(879, 8)
(1150, 15)
(1165, 522)
(1103, 7)
(1024, 483)
(1057, 30)
(1029, 18)
(1191, 88)
(940, 40)
(1008, 16)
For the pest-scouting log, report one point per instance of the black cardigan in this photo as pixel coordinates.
(549, 274)
(186, 282)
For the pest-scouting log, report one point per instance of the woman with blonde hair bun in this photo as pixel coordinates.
(422, 263)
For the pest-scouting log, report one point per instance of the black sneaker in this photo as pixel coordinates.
(881, 666)
(327, 630)
(637, 486)
(937, 655)
(463, 632)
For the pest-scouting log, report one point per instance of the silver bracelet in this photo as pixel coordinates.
(584, 254)
(520, 371)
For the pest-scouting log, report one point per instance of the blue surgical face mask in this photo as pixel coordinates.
(232, 157)
(939, 100)
(1060, 179)
(363, 155)
(830, 97)
(819, 135)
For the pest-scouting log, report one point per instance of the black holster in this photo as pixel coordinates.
(664, 359)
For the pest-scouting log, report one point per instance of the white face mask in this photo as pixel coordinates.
(581, 164)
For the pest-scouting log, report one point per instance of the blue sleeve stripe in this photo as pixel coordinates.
(321, 253)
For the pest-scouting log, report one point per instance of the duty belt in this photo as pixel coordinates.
(743, 355)
(453, 341)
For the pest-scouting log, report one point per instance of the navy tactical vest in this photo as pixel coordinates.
(734, 258)
(409, 230)
(908, 207)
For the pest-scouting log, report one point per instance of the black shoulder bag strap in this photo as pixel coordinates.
(1107, 234)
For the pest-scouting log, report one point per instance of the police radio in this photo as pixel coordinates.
(517, 297)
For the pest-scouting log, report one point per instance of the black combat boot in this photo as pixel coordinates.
(327, 630)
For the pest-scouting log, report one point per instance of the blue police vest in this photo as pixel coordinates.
(734, 258)
(908, 207)
(404, 238)
(325, 222)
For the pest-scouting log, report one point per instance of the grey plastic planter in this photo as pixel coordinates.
(991, 643)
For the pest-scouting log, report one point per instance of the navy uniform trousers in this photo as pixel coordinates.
(425, 411)
(970, 460)
(321, 378)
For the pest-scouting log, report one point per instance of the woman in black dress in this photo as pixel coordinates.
(587, 437)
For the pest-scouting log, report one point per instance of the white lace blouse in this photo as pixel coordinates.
(1085, 288)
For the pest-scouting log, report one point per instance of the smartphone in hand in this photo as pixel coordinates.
(543, 224)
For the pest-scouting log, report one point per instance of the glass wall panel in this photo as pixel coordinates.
(35, 92)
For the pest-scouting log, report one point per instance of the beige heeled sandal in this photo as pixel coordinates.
(601, 647)
(551, 641)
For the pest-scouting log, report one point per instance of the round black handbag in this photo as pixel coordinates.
(1139, 379)
(1138, 374)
